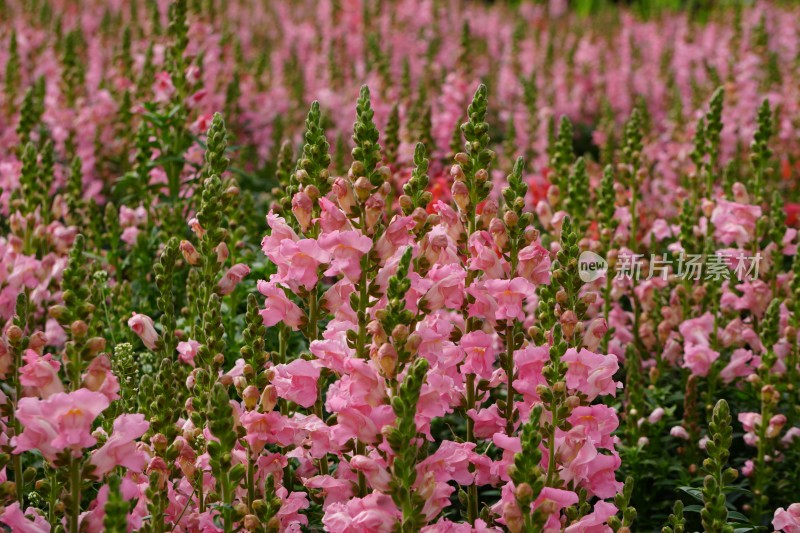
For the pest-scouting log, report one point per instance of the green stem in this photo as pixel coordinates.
(75, 494)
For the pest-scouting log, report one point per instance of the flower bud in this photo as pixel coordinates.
(301, 207)
(222, 252)
(511, 219)
(375, 330)
(387, 359)
(37, 341)
(363, 188)
(460, 195)
(343, 189)
(413, 343)
(79, 329)
(190, 253)
(457, 173)
(251, 396)
(58, 312)
(269, 398)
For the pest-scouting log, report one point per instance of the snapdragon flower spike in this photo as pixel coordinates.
(403, 440)
(715, 512)
(312, 167)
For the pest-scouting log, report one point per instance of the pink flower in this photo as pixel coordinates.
(99, 378)
(28, 522)
(298, 262)
(263, 428)
(656, 416)
(451, 462)
(500, 299)
(163, 89)
(534, 264)
(374, 470)
(397, 234)
(787, 520)
(590, 373)
(297, 381)
(487, 421)
(480, 354)
(120, 449)
(277, 307)
(734, 222)
(375, 513)
(697, 330)
(529, 362)
(698, 359)
(347, 248)
(679, 432)
(232, 277)
(187, 350)
(62, 421)
(41, 372)
(743, 363)
(144, 327)
(594, 522)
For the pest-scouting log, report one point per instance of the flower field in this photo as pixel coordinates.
(399, 266)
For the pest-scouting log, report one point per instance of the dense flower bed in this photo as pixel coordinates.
(406, 266)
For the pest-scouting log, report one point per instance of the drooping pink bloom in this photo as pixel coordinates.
(120, 448)
(41, 373)
(62, 421)
(375, 513)
(28, 522)
(374, 470)
(397, 234)
(530, 362)
(534, 264)
(187, 350)
(163, 89)
(450, 462)
(232, 278)
(787, 520)
(297, 381)
(144, 327)
(298, 262)
(278, 307)
(263, 428)
(743, 363)
(99, 378)
(697, 330)
(500, 299)
(591, 373)
(346, 248)
(594, 522)
(480, 355)
(698, 359)
(734, 222)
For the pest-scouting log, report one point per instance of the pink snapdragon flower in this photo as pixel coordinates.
(298, 262)
(591, 373)
(278, 307)
(698, 359)
(144, 327)
(232, 278)
(28, 522)
(480, 354)
(120, 449)
(99, 378)
(41, 373)
(297, 381)
(375, 513)
(63, 421)
(500, 299)
(187, 351)
(534, 264)
(787, 520)
(346, 248)
(734, 222)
